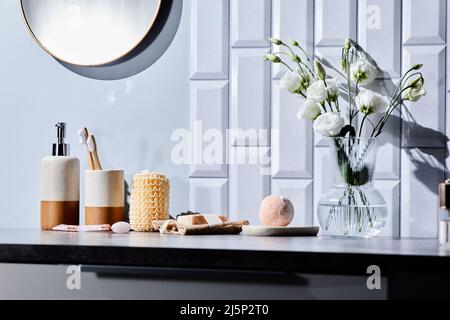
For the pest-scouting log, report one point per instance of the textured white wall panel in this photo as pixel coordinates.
(395, 33)
(292, 19)
(208, 196)
(323, 178)
(379, 33)
(249, 182)
(422, 171)
(334, 21)
(250, 23)
(424, 22)
(388, 163)
(390, 190)
(209, 39)
(250, 93)
(209, 121)
(425, 119)
(300, 192)
(292, 151)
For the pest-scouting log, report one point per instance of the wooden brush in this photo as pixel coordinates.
(83, 135)
(92, 146)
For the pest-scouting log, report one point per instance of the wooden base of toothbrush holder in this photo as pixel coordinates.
(104, 196)
(96, 215)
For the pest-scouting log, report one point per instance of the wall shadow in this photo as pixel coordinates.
(428, 162)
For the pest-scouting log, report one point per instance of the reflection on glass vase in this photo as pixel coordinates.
(352, 207)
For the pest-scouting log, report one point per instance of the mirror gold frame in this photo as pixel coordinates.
(122, 54)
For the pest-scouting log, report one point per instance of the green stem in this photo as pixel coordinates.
(299, 63)
(310, 67)
(333, 209)
(403, 79)
(388, 113)
(366, 204)
(337, 105)
(351, 116)
(371, 123)
(306, 55)
(331, 107)
(362, 124)
(286, 65)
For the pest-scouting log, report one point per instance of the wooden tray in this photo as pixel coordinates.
(263, 231)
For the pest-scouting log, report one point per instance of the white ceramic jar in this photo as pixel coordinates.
(104, 196)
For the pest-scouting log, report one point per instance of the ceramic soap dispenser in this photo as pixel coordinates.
(60, 185)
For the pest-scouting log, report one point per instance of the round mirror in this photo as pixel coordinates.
(89, 32)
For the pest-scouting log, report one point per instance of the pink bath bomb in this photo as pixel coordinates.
(276, 211)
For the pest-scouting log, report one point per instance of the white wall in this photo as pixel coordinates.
(227, 73)
(133, 118)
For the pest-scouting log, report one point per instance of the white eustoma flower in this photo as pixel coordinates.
(333, 89)
(324, 90)
(416, 90)
(319, 70)
(414, 95)
(310, 110)
(317, 91)
(329, 124)
(291, 81)
(369, 102)
(363, 72)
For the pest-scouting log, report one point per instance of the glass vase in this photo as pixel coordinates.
(352, 207)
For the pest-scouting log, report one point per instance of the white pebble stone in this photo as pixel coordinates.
(121, 227)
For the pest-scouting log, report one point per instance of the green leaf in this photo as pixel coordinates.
(347, 129)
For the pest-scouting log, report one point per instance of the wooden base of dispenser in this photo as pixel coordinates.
(54, 213)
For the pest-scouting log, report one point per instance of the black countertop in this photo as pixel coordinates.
(289, 254)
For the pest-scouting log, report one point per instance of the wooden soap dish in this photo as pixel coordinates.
(263, 231)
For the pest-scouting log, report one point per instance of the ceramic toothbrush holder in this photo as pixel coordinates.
(104, 196)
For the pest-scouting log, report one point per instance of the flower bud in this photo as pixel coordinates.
(272, 57)
(416, 84)
(294, 43)
(296, 58)
(275, 41)
(347, 44)
(320, 71)
(417, 66)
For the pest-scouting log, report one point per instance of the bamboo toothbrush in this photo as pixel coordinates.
(92, 146)
(83, 135)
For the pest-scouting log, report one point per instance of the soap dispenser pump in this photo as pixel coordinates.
(60, 185)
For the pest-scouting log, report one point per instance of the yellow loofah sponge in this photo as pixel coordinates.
(149, 200)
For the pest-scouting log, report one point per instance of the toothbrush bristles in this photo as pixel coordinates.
(90, 143)
(82, 135)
